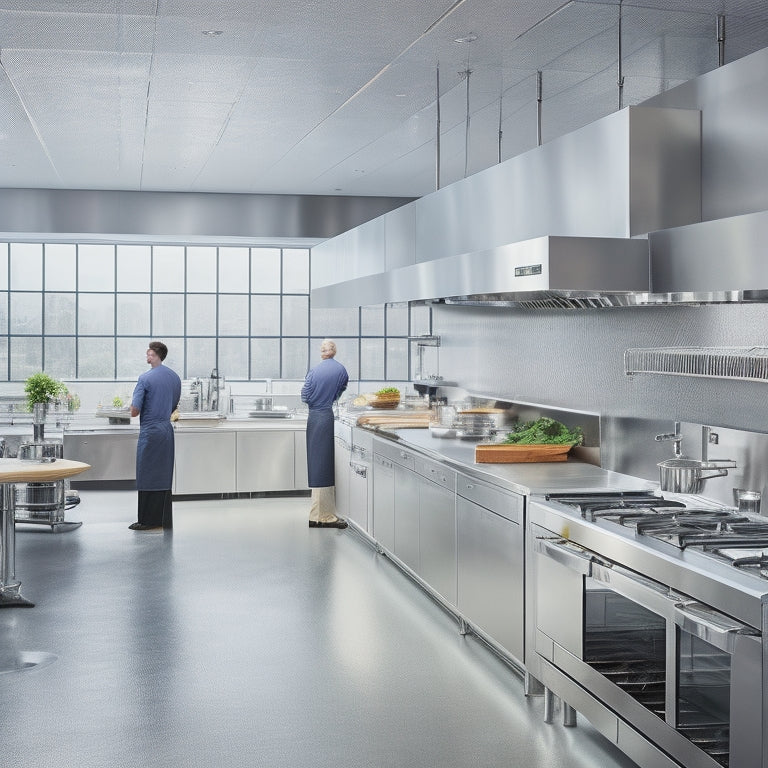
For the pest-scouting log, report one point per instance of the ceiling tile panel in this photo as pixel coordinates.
(75, 32)
(196, 78)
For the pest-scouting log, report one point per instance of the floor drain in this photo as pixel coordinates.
(24, 661)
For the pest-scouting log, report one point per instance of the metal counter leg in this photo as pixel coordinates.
(569, 716)
(10, 587)
(549, 705)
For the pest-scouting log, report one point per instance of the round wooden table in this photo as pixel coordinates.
(20, 471)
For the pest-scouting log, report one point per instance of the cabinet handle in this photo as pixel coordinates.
(469, 486)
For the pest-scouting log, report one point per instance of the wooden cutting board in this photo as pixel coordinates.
(499, 453)
(396, 421)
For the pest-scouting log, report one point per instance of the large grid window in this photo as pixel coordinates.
(87, 311)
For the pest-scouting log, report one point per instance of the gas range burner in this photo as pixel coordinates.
(752, 559)
(672, 522)
(594, 506)
(705, 528)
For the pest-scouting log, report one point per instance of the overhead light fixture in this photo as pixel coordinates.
(470, 38)
(213, 32)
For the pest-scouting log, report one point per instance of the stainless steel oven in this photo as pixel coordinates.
(685, 675)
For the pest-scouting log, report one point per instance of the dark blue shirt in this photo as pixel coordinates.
(324, 384)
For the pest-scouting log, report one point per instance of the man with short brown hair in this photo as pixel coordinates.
(155, 398)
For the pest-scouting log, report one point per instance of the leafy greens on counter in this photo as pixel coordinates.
(544, 431)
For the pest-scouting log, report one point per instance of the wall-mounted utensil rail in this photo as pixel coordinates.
(746, 363)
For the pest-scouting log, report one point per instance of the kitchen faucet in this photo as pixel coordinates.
(676, 438)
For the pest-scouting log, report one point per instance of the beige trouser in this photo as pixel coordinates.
(323, 509)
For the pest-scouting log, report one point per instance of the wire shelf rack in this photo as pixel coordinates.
(745, 363)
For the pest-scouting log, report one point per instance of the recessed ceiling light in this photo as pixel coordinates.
(470, 38)
(213, 32)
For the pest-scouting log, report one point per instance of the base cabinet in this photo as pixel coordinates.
(265, 461)
(461, 536)
(407, 517)
(342, 473)
(437, 539)
(300, 474)
(205, 463)
(111, 456)
(490, 563)
(384, 501)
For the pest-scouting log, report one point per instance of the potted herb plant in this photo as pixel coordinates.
(42, 388)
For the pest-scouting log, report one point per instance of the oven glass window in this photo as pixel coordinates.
(626, 642)
(704, 692)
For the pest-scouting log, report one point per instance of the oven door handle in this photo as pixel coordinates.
(573, 558)
(709, 625)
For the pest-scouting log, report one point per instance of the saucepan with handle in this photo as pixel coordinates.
(688, 475)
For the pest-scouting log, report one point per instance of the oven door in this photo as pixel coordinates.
(675, 669)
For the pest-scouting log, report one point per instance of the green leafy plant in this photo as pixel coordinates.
(72, 401)
(544, 431)
(117, 401)
(388, 391)
(42, 388)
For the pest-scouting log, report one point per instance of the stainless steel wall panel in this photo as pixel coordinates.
(574, 359)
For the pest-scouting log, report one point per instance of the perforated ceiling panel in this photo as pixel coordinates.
(326, 96)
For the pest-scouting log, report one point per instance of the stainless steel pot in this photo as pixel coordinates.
(686, 475)
(41, 451)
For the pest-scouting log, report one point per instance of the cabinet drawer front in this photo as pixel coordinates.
(436, 472)
(504, 503)
(395, 453)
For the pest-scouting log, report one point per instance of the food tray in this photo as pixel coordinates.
(269, 414)
(502, 453)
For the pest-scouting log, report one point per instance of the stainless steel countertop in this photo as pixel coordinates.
(294, 422)
(527, 479)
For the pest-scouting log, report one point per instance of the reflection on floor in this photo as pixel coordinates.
(244, 638)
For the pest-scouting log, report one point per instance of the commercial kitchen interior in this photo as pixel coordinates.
(166, 133)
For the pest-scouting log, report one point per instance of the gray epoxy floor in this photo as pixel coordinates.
(244, 638)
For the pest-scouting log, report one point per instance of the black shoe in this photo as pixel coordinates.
(142, 527)
(333, 524)
(313, 523)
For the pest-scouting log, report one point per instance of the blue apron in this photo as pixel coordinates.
(154, 456)
(320, 453)
(156, 395)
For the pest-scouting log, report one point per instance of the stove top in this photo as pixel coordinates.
(722, 532)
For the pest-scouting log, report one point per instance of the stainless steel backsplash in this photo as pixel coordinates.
(575, 359)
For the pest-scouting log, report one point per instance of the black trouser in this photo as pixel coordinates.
(155, 508)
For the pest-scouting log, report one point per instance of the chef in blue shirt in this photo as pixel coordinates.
(155, 398)
(322, 387)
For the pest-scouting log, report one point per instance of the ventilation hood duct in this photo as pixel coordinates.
(563, 272)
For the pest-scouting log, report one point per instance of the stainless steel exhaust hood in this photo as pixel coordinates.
(714, 261)
(541, 272)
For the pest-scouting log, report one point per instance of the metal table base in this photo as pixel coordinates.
(10, 586)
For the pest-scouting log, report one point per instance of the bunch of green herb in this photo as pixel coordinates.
(544, 431)
(388, 391)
